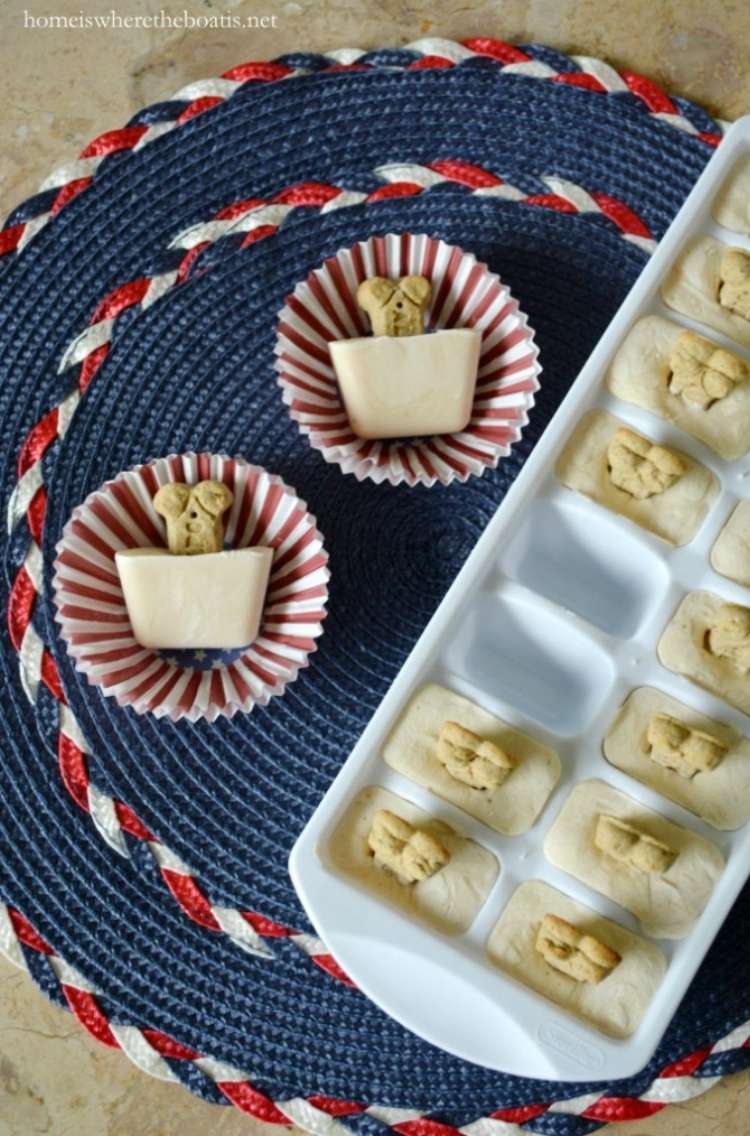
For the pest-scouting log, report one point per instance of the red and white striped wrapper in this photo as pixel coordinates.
(94, 621)
(464, 294)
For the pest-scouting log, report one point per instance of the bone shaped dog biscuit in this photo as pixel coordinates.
(681, 748)
(639, 467)
(193, 515)
(582, 957)
(632, 847)
(729, 637)
(734, 275)
(702, 372)
(409, 852)
(395, 307)
(475, 761)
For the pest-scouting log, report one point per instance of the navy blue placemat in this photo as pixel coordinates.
(143, 863)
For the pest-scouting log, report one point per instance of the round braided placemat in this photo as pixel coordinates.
(143, 862)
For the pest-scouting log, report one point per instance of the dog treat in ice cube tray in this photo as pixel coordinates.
(729, 637)
(666, 902)
(677, 502)
(688, 380)
(639, 467)
(448, 898)
(471, 759)
(711, 283)
(708, 641)
(632, 967)
(573, 952)
(413, 748)
(719, 795)
(411, 854)
(195, 594)
(730, 555)
(702, 373)
(732, 205)
(734, 274)
(402, 381)
(631, 846)
(682, 748)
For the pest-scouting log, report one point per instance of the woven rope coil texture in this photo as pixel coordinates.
(194, 370)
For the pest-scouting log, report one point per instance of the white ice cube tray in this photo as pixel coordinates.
(552, 622)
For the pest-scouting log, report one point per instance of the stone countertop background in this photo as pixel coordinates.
(60, 88)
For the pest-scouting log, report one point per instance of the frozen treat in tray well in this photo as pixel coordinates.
(688, 380)
(661, 872)
(401, 381)
(479, 763)
(702, 764)
(659, 488)
(730, 555)
(588, 965)
(194, 594)
(711, 283)
(732, 205)
(412, 860)
(708, 641)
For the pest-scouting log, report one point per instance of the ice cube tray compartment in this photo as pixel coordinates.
(604, 574)
(552, 622)
(547, 668)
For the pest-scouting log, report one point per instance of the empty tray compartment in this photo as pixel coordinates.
(523, 653)
(591, 566)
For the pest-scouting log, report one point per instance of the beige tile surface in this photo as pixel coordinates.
(58, 88)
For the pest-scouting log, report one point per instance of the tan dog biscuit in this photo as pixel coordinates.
(572, 952)
(194, 515)
(729, 638)
(702, 372)
(473, 760)
(680, 748)
(734, 274)
(639, 467)
(395, 307)
(632, 847)
(410, 853)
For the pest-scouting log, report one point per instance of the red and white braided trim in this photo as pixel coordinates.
(594, 75)
(260, 218)
(113, 819)
(148, 1048)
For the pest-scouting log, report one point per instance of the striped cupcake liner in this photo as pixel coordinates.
(465, 293)
(93, 618)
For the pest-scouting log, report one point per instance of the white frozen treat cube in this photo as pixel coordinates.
(210, 600)
(401, 386)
